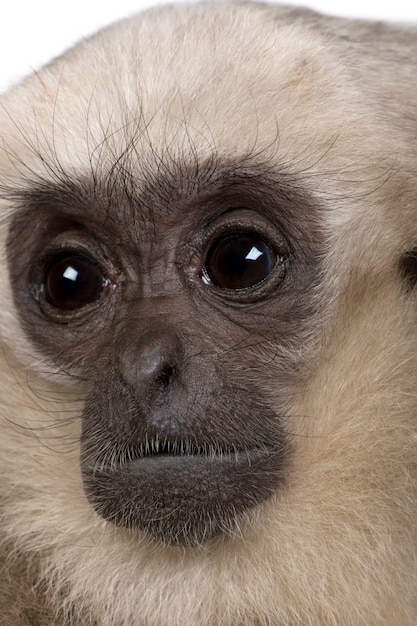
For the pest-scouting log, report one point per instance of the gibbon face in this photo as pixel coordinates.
(209, 325)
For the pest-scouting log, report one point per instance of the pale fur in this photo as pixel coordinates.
(332, 102)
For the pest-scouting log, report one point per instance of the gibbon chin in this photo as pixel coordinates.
(209, 325)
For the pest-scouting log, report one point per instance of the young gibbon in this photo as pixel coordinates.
(209, 325)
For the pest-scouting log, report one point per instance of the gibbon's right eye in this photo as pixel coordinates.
(72, 280)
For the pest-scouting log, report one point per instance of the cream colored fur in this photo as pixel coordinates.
(334, 103)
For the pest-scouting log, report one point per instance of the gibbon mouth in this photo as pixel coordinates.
(188, 450)
(180, 492)
(185, 455)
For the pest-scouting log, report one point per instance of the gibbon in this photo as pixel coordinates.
(209, 325)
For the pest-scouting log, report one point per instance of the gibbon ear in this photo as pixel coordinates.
(408, 268)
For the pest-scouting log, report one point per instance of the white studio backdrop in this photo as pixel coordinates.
(32, 32)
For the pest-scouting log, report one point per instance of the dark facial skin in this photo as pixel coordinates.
(175, 302)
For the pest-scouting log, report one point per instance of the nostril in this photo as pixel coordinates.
(165, 376)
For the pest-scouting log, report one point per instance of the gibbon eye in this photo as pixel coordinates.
(72, 280)
(239, 261)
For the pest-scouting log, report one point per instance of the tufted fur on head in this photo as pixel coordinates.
(284, 491)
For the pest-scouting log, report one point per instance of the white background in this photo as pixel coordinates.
(33, 31)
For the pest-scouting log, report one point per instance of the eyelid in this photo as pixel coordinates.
(244, 219)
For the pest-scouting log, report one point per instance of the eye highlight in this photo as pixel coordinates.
(237, 261)
(72, 281)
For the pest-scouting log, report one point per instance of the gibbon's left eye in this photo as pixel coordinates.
(239, 261)
(72, 281)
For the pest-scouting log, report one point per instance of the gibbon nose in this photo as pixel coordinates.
(151, 364)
